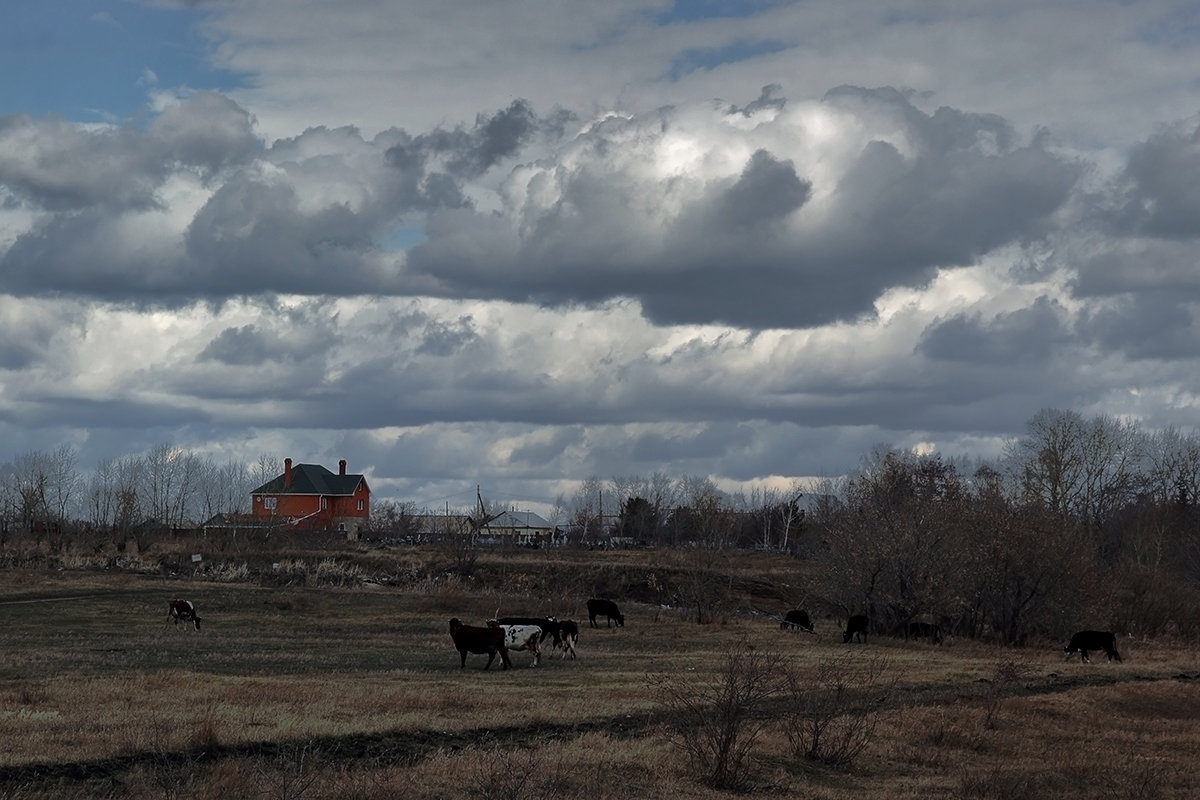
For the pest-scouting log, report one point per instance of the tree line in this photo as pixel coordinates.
(1080, 522)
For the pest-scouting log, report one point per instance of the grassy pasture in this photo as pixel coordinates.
(356, 692)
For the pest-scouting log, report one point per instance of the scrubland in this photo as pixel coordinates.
(348, 686)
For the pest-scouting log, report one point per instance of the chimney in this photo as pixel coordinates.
(342, 467)
(287, 473)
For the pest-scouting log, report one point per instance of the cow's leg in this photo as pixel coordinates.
(491, 658)
(1083, 656)
(463, 653)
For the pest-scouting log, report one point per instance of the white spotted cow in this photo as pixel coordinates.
(184, 610)
(522, 637)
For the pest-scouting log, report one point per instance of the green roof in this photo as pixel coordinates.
(312, 479)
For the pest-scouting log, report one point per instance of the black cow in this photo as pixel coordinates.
(856, 627)
(597, 607)
(920, 630)
(797, 618)
(182, 610)
(1083, 641)
(549, 625)
(475, 639)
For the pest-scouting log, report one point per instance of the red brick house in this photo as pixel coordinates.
(310, 497)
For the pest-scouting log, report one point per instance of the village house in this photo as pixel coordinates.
(310, 497)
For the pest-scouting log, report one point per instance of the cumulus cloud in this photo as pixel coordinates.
(760, 216)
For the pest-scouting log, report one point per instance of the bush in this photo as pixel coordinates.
(717, 723)
(830, 714)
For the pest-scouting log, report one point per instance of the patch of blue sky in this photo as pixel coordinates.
(708, 58)
(404, 238)
(699, 10)
(97, 60)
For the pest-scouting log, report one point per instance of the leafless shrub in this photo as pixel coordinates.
(291, 774)
(996, 784)
(1010, 670)
(716, 723)
(830, 716)
(505, 773)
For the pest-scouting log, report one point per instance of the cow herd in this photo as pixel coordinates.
(1082, 642)
(503, 635)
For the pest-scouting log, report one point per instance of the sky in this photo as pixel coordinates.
(518, 245)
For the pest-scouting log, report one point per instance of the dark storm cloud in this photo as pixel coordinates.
(767, 191)
(1162, 184)
(1025, 336)
(469, 152)
(1143, 233)
(1146, 325)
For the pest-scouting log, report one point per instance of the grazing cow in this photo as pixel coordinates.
(522, 637)
(569, 637)
(549, 625)
(918, 630)
(797, 618)
(184, 610)
(1083, 641)
(856, 627)
(474, 639)
(597, 607)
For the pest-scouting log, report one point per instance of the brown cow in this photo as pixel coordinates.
(184, 610)
(479, 640)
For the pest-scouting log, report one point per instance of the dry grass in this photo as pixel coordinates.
(354, 690)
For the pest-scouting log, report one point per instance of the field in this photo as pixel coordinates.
(335, 692)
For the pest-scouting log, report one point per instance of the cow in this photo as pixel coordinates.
(549, 625)
(1083, 641)
(522, 637)
(479, 640)
(568, 637)
(597, 607)
(856, 626)
(918, 630)
(797, 618)
(184, 610)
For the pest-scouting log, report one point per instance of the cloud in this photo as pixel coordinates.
(780, 219)
(1028, 335)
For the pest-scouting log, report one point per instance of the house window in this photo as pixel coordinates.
(269, 503)
(324, 503)
(360, 505)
